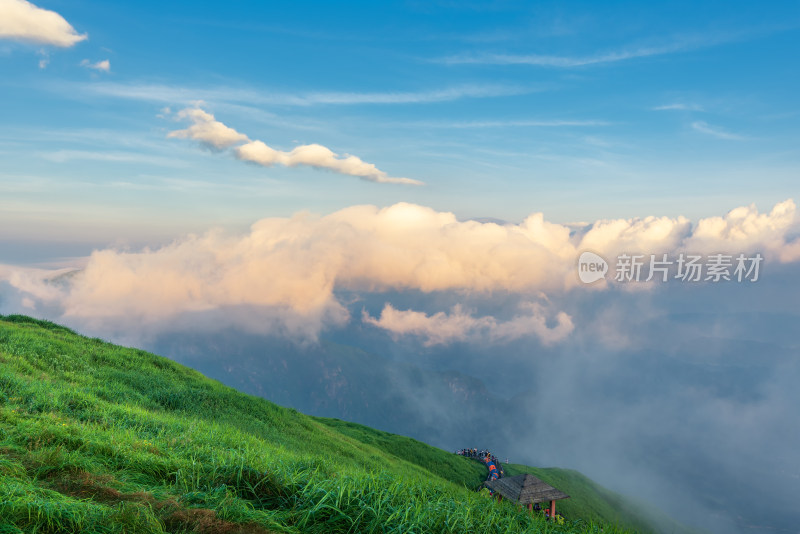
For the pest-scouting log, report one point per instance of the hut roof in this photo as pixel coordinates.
(525, 489)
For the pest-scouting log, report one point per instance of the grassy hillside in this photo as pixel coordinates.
(100, 438)
(589, 501)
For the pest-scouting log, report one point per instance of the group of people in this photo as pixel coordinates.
(491, 461)
(472, 453)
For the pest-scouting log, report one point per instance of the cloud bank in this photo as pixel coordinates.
(216, 135)
(22, 21)
(298, 266)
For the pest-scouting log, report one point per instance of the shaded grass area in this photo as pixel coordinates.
(99, 438)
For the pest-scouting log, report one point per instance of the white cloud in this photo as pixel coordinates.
(22, 21)
(212, 133)
(704, 127)
(103, 66)
(37, 285)
(650, 234)
(744, 228)
(318, 156)
(741, 230)
(207, 130)
(295, 266)
(442, 328)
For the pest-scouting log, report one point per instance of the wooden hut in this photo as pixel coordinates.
(527, 490)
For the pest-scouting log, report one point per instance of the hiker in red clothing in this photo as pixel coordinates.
(493, 473)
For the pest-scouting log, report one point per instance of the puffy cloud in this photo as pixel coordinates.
(206, 129)
(458, 325)
(320, 157)
(295, 266)
(745, 229)
(103, 66)
(22, 21)
(297, 263)
(651, 235)
(214, 134)
(742, 229)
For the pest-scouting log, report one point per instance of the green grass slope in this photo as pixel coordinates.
(588, 501)
(99, 438)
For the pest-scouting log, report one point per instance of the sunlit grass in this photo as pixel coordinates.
(100, 438)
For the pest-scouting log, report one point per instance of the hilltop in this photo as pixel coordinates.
(96, 437)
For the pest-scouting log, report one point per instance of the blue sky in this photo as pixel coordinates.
(503, 109)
